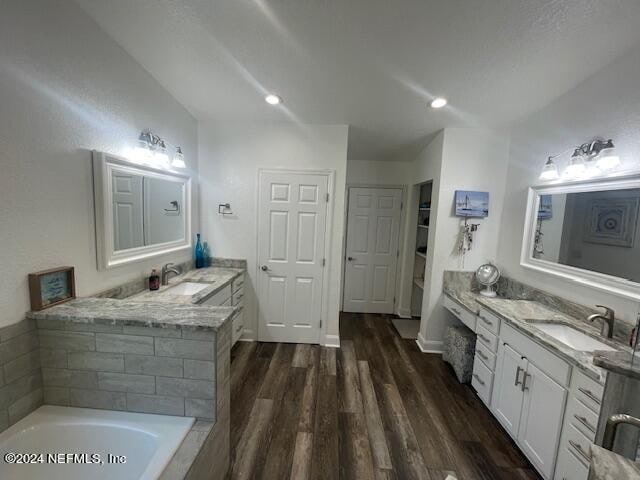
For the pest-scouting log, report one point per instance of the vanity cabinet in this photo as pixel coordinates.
(528, 401)
(231, 295)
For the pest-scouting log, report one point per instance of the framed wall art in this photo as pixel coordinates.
(51, 287)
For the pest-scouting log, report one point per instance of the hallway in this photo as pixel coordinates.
(376, 408)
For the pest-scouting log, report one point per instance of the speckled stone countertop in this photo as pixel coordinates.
(619, 362)
(606, 465)
(217, 277)
(523, 314)
(153, 309)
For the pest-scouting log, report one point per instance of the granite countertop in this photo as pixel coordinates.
(619, 362)
(606, 465)
(523, 314)
(108, 311)
(217, 277)
(154, 309)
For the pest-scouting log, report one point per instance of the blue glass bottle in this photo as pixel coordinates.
(199, 253)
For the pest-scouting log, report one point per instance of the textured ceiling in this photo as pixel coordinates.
(372, 64)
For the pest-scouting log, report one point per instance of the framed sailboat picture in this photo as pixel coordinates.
(471, 204)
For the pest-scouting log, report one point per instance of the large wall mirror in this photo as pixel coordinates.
(141, 211)
(587, 232)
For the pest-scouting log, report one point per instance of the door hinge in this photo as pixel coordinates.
(398, 253)
(324, 262)
(327, 198)
(401, 205)
(320, 323)
(394, 300)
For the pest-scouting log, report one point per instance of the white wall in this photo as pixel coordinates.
(471, 159)
(230, 156)
(367, 172)
(66, 88)
(607, 105)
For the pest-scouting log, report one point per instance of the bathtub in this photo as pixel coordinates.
(64, 443)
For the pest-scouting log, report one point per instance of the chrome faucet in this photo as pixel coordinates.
(166, 270)
(607, 320)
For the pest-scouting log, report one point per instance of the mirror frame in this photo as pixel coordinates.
(601, 281)
(107, 257)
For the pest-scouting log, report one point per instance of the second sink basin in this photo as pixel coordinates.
(573, 338)
(186, 288)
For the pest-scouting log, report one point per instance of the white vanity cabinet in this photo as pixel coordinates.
(529, 397)
(579, 428)
(231, 295)
(484, 363)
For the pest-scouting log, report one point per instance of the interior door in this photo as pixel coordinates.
(373, 226)
(127, 211)
(507, 390)
(291, 241)
(541, 421)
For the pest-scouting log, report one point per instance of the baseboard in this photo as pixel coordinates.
(429, 346)
(332, 341)
(404, 312)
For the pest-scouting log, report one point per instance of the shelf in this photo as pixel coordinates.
(421, 255)
(419, 283)
(423, 226)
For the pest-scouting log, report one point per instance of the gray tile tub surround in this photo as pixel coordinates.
(20, 378)
(162, 370)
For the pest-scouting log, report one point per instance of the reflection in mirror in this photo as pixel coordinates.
(595, 231)
(146, 210)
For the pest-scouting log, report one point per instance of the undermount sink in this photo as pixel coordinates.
(573, 338)
(186, 288)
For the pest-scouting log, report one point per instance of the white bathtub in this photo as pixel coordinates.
(147, 441)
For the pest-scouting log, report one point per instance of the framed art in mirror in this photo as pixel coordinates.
(586, 232)
(140, 211)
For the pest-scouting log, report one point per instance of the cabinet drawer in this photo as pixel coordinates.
(482, 380)
(542, 358)
(577, 443)
(218, 298)
(238, 297)
(237, 283)
(464, 315)
(487, 338)
(486, 355)
(583, 418)
(227, 302)
(237, 327)
(588, 391)
(489, 321)
(569, 467)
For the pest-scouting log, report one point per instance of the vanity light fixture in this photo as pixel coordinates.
(178, 159)
(588, 160)
(550, 170)
(272, 99)
(438, 102)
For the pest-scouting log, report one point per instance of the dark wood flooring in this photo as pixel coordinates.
(377, 408)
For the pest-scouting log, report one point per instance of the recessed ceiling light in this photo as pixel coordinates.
(438, 102)
(273, 99)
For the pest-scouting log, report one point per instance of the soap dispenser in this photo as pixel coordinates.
(154, 280)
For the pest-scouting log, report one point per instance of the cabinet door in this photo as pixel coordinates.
(507, 391)
(541, 421)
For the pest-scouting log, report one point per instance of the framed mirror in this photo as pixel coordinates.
(586, 232)
(141, 211)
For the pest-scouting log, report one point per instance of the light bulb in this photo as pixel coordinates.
(272, 99)
(438, 102)
(607, 159)
(178, 159)
(576, 167)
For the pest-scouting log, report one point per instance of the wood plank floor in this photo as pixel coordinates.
(377, 408)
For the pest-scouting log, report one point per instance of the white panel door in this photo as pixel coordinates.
(541, 420)
(373, 226)
(127, 211)
(291, 240)
(506, 400)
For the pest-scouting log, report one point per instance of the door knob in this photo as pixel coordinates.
(264, 268)
(351, 259)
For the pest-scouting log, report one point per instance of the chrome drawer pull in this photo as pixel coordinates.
(579, 449)
(455, 310)
(481, 382)
(524, 381)
(239, 327)
(485, 320)
(585, 422)
(482, 337)
(482, 355)
(589, 394)
(518, 382)
(239, 297)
